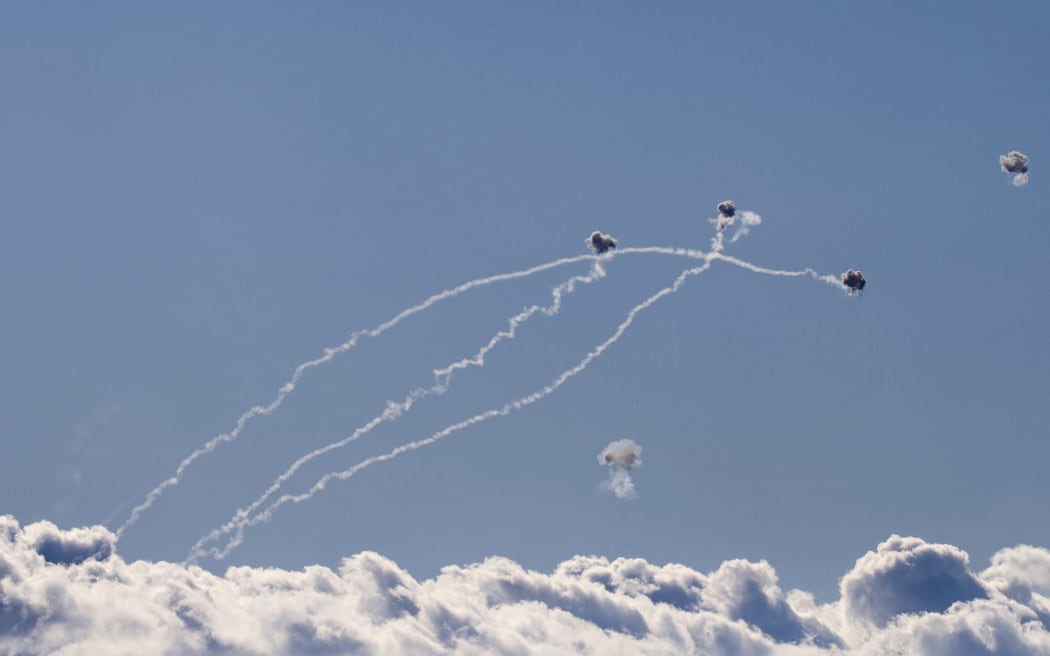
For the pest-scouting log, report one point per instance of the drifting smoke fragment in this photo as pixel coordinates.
(1015, 162)
(854, 280)
(621, 457)
(601, 243)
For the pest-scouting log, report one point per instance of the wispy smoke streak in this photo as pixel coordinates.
(443, 377)
(242, 522)
(395, 410)
(329, 355)
(503, 411)
(830, 279)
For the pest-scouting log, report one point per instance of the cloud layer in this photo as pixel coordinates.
(70, 592)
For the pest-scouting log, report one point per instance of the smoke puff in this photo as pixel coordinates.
(621, 456)
(1014, 162)
(727, 208)
(601, 243)
(907, 597)
(854, 280)
(621, 453)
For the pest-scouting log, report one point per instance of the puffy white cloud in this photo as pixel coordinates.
(908, 575)
(69, 592)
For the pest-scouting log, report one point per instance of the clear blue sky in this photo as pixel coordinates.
(199, 197)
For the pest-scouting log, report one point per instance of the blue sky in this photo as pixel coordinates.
(198, 198)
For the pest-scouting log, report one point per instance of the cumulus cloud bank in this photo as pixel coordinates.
(70, 591)
(621, 457)
(728, 216)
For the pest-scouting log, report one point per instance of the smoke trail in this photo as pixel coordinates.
(329, 354)
(503, 411)
(830, 279)
(508, 408)
(395, 410)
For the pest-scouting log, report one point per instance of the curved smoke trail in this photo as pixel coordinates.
(242, 520)
(395, 410)
(330, 353)
(503, 411)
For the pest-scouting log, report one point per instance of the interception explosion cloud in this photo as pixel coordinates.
(1015, 162)
(601, 243)
(621, 457)
(854, 280)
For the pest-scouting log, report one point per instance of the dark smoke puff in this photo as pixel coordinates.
(854, 280)
(601, 243)
(727, 208)
(1014, 162)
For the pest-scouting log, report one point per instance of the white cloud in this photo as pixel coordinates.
(69, 592)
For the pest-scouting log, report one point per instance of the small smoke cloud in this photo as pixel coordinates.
(601, 243)
(621, 457)
(1015, 162)
(854, 281)
(727, 208)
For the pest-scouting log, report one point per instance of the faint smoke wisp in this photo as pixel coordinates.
(1015, 162)
(621, 457)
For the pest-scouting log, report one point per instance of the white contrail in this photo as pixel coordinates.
(395, 410)
(443, 376)
(330, 353)
(503, 411)
(241, 520)
(830, 279)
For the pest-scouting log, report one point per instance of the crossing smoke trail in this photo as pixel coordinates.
(395, 410)
(507, 408)
(329, 355)
(443, 376)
